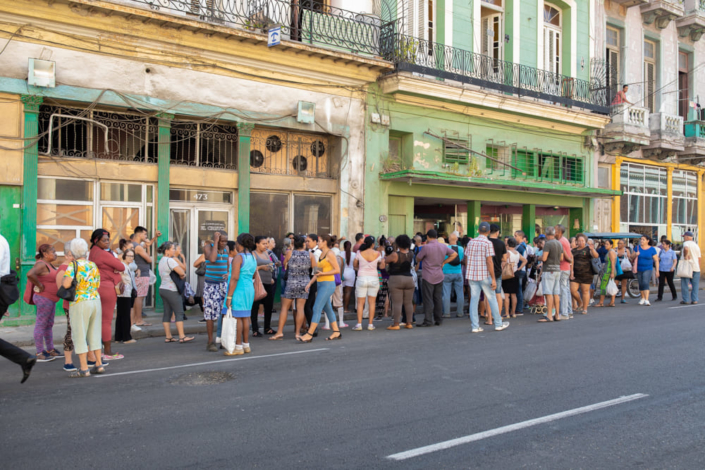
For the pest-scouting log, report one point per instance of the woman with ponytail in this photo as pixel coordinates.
(241, 291)
(110, 268)
(43, 277)
(171, 299)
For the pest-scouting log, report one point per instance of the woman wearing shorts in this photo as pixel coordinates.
(646, 262)
(367, 285)
(582, 275)
(625, 258)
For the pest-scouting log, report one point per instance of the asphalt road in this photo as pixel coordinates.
(353, 403)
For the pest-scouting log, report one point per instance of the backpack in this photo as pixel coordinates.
(456, 261)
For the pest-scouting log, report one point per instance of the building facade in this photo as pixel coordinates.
(177, 116)
(488, 116)
(654, 146)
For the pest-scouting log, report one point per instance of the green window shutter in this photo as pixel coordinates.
(455, 154)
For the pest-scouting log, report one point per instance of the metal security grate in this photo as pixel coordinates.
(455, 150)
(278, 152)
(206, 145)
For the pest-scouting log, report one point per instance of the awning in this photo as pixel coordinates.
(520, 184)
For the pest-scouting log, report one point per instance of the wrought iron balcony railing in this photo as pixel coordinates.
(429, 58)
(306, 21)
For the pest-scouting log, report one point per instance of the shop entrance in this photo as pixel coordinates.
(192, 223)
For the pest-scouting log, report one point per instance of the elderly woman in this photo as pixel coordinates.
(85, 309)
(43, 277)
(110, 268)
(68, 342)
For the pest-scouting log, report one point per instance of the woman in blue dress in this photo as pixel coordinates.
(241, 291)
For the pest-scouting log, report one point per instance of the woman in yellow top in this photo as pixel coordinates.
(328, 267)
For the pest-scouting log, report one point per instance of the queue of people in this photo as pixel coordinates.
(389, 278)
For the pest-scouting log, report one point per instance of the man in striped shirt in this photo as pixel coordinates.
(481, 277)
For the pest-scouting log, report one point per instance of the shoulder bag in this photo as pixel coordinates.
(201, 269)
(70, 293)
(260, 292)
(507, 271)
(178, 282)
(684, 269)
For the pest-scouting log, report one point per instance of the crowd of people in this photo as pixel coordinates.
(497, 277)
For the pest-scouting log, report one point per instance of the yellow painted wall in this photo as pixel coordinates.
(11, 125)
(104, 170)
(192, 177)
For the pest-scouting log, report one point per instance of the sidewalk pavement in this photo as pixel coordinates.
(23, 336)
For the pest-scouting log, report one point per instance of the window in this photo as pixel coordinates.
(206, 145)
(419, 18)
(455, 150)
(644, 198)
(612, 57)
(492, 42)
(572, 169)
(604, 177)
(552, 38)
(650, 75)
(109, 135)
(275, 151)
(683, 94)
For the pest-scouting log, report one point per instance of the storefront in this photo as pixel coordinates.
(659, 199)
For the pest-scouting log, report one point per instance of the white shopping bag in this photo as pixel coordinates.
(612, 288)
(530, 290)
(539, 289)
(227, 338)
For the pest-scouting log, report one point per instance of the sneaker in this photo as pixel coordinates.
(592, 301)
(447, 315)
(460, 315)
(135, 328)
(246, 349)
(623, 301)
(69, 367)
(55, 353)
(343, 325)
(217, 340)
(371, 327)
(325, 327)
(647, 303)
(357, 327)
(402, 324)
(641, 302)
(212, 347)
(504, 326)
(92, 363)
(477, 330)
(44, 357)
(202, 320)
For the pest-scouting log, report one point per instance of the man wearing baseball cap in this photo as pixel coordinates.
(481, 277)
(690, 254)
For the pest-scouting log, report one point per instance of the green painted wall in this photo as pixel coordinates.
(441, 21)
(514, 35)
(11, 228)
(462, 24)
(528, 32)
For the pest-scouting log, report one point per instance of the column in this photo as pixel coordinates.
(29, 192)
(616, 201)
(528, 221)
(701, 217)
(164, 160)
(244, 130)
(474, 209)
(669, 203)
(576, 213)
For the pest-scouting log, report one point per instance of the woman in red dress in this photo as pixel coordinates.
(110, 268)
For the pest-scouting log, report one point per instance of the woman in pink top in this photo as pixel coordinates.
(43, 277)
(366, 262)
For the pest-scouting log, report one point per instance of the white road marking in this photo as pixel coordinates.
(221, 361)
(512, 427)
(684, 306)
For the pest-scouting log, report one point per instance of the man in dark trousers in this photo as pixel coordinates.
(9, 293)
(312, 246)
(434, 256)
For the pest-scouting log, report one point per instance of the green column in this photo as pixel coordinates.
(29, 191)
(528, 221)
(474, 209)
(576, 213)
(163, 159)
(243, 177)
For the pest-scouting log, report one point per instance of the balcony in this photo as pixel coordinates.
(667, 137)
(306, 21)
(693, 23)
(694, 148)
(428, 58)
(662, 12)
(630, 3)
(628, 131)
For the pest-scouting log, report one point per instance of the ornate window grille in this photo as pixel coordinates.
(208, 145)
(99, 134)
(278, 152)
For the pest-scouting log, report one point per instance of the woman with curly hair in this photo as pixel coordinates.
(241, 291)
(43, 277)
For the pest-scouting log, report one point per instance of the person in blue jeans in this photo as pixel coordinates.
(691, 254)
(453, 279)
(646, 262)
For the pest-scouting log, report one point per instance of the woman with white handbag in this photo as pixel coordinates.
(625, 257)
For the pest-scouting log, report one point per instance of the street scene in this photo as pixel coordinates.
(351, 233)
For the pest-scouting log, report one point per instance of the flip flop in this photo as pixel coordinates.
(545, 320)
(171, 340)
(143, 324)
(276, 338)
(186, 339)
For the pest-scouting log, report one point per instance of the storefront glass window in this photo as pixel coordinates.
(643, 204)
(269, 215)
(312, 214)
(685, 203)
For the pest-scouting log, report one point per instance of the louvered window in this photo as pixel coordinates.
(453, 153)
(612, 70)
(552, 39)
(650, 75)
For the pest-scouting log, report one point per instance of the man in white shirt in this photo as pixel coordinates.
(4, 257)
(691, 254)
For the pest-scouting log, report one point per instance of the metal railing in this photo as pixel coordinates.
(429, 58)
(106, 135)
(533, 165)
(277, 152)
(206, 145)
(306, 21)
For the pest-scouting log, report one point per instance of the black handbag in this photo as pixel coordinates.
(70, 293)
(201, 269)
(178, 282)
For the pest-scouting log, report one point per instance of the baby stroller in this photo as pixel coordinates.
(534, 294)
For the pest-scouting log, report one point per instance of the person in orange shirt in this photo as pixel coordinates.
(621, 97)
